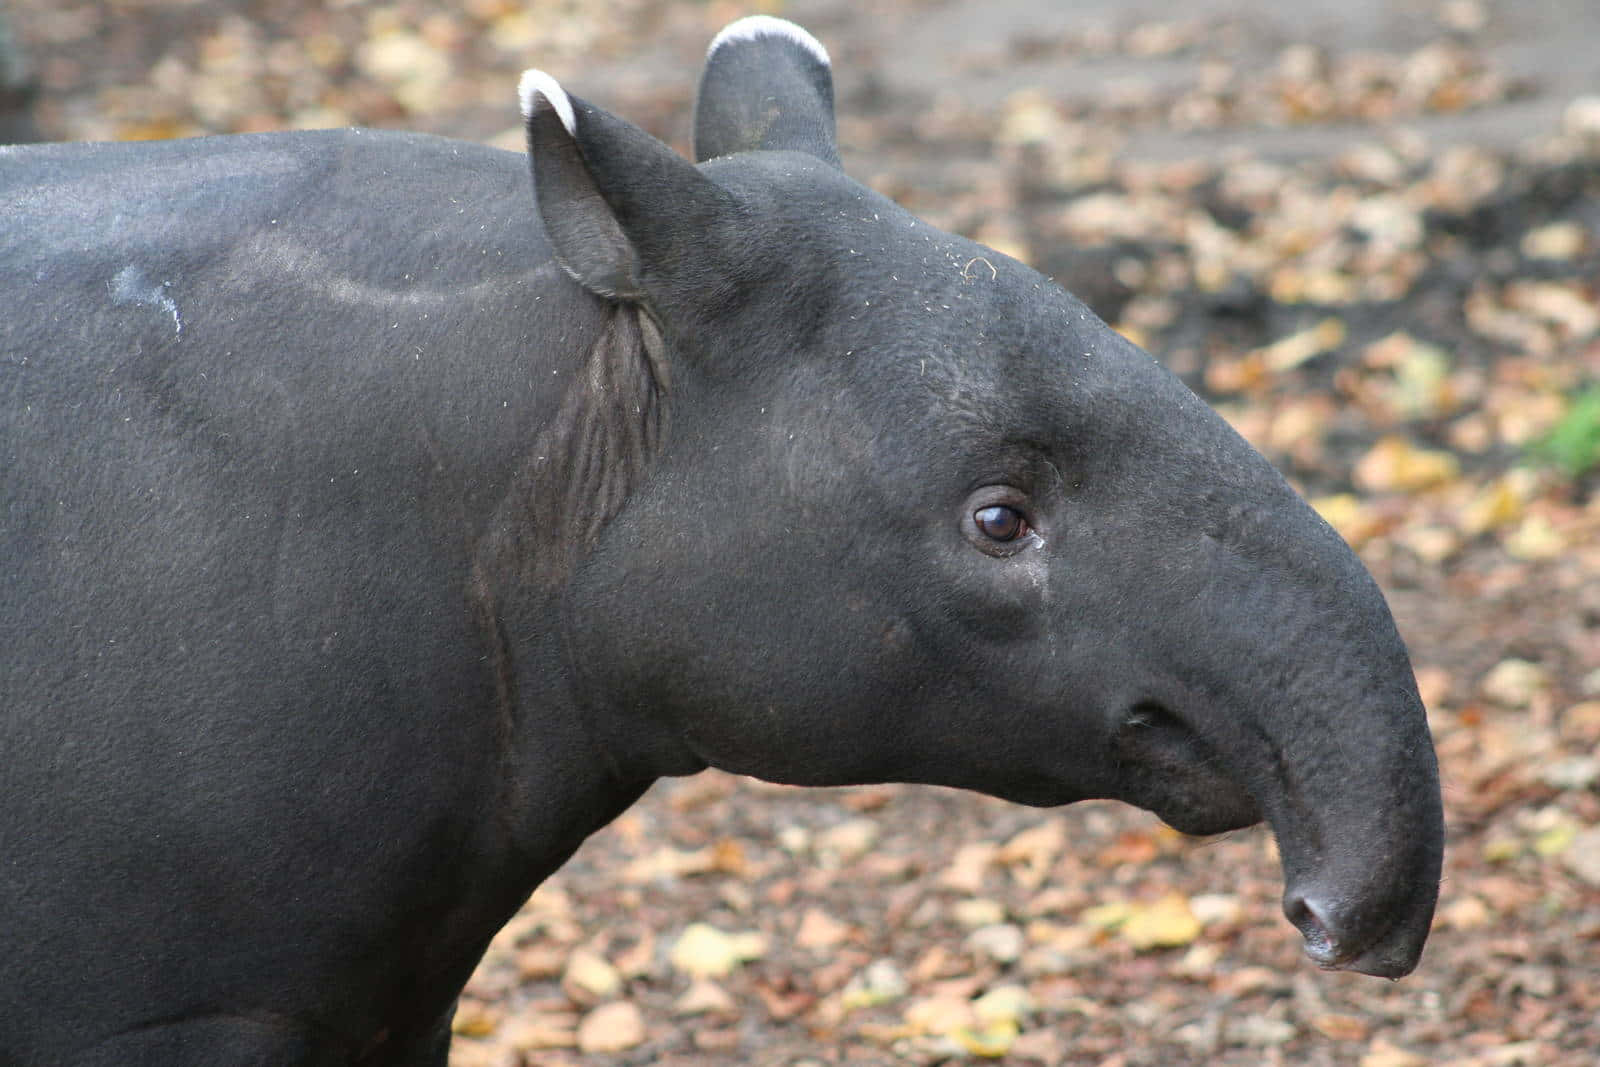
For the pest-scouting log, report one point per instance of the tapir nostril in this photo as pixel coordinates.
(1310, 917)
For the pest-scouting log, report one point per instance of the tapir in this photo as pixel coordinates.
(376, 525)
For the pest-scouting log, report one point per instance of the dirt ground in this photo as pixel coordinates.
(1368, 232)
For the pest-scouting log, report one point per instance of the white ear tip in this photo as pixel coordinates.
(538, 83)
(753, 26)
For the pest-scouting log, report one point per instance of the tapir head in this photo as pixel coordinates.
(913, 513)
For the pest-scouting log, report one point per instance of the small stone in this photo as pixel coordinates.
(614, 1027)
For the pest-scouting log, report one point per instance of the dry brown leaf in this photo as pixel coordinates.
(614, 1027)
(590, 978)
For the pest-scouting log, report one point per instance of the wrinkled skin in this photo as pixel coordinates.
(376, 530)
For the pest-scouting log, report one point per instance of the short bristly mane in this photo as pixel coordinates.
(582, 467)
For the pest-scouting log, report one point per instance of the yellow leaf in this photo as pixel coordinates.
(942, 1014)
(1167, 923)
(1289, 352)
(1346, 513)
(1536, 538)
(1395, 465)
(991, 1042)
(1106, 916)
(1556, 840)
(1500, 503)
(1500, 849)
(703, 951)
(474, 1018)
(1003, 1004)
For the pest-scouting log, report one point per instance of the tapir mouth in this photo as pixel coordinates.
(1177, 774)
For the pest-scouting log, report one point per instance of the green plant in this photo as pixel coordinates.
(1573, 444)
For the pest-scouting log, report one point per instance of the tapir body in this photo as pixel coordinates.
(375, 527)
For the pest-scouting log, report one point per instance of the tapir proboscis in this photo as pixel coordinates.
(376, 525)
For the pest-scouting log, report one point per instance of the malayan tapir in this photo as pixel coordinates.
(376, 526)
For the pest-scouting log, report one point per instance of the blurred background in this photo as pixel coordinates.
(1368, 232)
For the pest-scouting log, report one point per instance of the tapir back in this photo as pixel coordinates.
(265, 399)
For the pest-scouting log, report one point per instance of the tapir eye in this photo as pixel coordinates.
(1000, 523)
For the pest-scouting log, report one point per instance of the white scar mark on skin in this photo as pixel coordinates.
(308, 269)
(755, 26)
(130, 286)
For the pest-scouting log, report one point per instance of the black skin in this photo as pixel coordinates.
(376, 530)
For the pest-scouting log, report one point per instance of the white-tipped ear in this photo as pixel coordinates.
(536, 83)
(753, 26)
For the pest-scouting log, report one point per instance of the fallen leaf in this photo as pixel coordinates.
(705, 997)
(1006, 1003)
(968, 868)
(1338, 1027)
(1167, 923)
(539, 1032)
(1001, 942)
(614, 1027)
(703, 951)
(1383, 1054)
(846, 842)
(978, 911)
(1394, 464)
(589, 977)
(880, 982)
(1289, 352)
(474, 1018)
(820, 930)
(1514, 683)
(988, 1042)
(1582, 858)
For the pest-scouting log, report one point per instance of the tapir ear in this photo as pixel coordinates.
(768, 84)
(622, 210)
